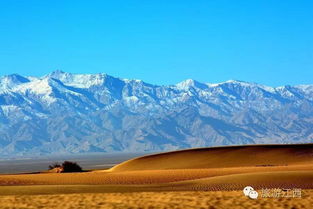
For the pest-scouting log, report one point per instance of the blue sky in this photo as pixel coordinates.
(161, 42)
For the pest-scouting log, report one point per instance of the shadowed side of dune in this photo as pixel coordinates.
(222, 157)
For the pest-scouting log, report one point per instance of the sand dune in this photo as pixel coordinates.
(279, 179)
(222, 157)
(137, 177)
(283, 179)
(222, 168)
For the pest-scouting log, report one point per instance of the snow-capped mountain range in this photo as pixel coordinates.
(73, 113)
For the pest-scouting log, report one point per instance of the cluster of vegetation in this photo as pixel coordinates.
(66, 167)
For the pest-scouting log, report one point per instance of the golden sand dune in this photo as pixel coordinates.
(279, 179)
(283, 179)
(222, 168)
(222, 157)
(178, 179)
(137, 177)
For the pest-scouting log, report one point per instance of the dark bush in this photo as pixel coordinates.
(66, 167)
(69, 166)
(54, 165)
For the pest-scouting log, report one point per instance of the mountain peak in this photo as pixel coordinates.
(11, 81)
(78, 80)
(243, 84)
(58, 72)
(186, 84)
(236, 82)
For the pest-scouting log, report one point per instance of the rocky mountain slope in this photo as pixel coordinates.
(74, 113)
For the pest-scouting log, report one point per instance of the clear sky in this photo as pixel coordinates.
(161, 41)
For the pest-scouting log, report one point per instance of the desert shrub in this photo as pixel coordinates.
(66, 167)
(69, 166)
(54, 165)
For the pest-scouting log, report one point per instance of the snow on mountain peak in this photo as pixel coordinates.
(132, 80)
(232, 82)
(39, 86)
(243, 84)
(305, 88)
(78, 80)
(186, 84)
(11, 81)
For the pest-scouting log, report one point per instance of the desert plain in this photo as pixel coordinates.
(193, 178)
